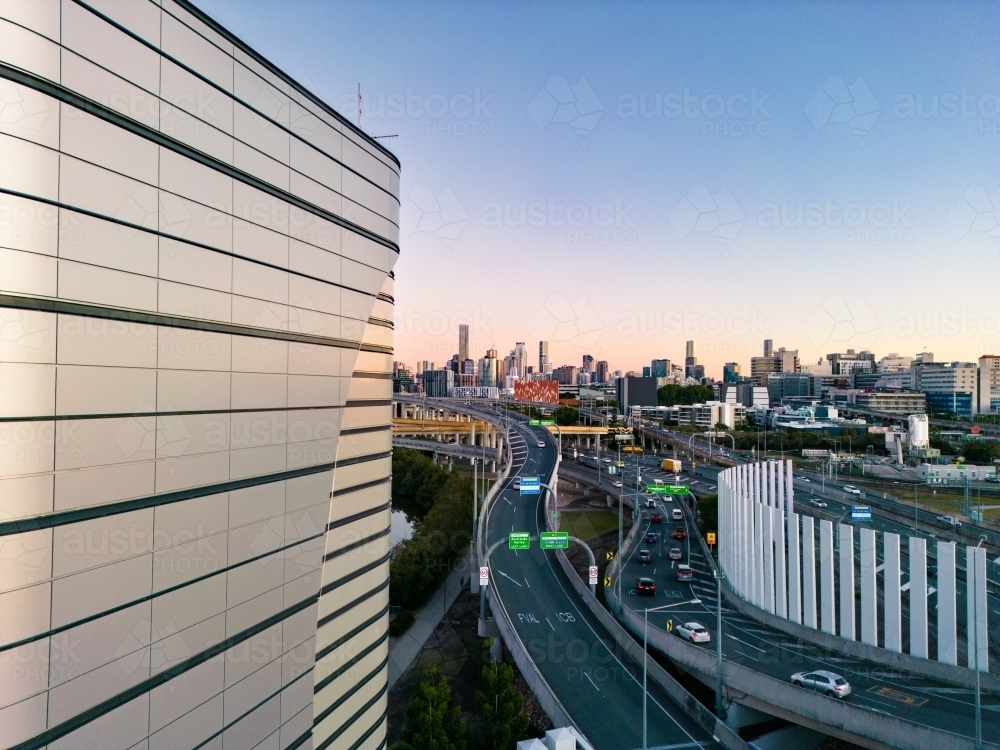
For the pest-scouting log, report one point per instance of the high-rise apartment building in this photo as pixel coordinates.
(731, 372)
(201, 279)
(463, 342)
(659, 368)
(520, 360)
(588, 362)
(950, 387)
(602, 372)
(543, 357)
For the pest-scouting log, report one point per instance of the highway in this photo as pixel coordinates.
(765, 650)
(600, 688)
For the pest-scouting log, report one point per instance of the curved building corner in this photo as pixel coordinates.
(196, 340)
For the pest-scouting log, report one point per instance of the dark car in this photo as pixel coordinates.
(644, 557)
(645, 587)
(675, 553)
(656, 518)
(932, 571)
(679, 533)
(651, 537)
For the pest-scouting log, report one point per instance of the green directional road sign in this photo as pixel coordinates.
(548, 422)
(554, 540)
(675, 489)
(534, 422)
(519, 540)
(656, 489)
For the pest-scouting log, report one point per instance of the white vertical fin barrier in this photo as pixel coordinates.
(790, 490)
(946, 609)
(758, 555)
(918, 597)
(767, 518)
(780, 593)
(891, 581)
(808, 573)
(869, 601)
(975, 596)
(846, 557)
(768, 554)
(794, 574)
(827, 606)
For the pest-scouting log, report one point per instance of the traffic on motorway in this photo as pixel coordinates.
(751, 644)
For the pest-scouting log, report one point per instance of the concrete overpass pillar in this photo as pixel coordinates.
(767, 516)
(794, 575)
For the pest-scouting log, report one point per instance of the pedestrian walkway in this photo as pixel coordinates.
(408, 646)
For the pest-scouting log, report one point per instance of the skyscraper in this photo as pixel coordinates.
(215, 344)
(520, 360)
(463, 342)
(660, 368)
(690, 361)
(588, 362)
(731, 372)
(543, 357)
(768, 347)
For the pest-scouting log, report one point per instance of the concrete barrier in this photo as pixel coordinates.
(782, 699)
(691, 706)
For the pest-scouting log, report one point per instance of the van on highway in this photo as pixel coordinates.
(676, 515)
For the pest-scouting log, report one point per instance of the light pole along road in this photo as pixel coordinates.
(600, 688)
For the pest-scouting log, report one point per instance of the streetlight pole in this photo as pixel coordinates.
(720, 710)
(645, 651)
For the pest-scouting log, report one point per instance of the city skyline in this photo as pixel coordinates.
(902, 179)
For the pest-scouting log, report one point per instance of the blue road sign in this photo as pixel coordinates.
(861, 513)
(530, 485)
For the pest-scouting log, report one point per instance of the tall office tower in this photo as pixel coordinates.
(690, 360)
(543, 356)
(520, 359)
(463, 342)
(660, 368)
(731, 372)
(602, 372)
(588, 362)
(195, 534)
(768, 347)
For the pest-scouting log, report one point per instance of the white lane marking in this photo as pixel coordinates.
(592, 682)
(728, 635)
(550, 624)
(508, 577)
(526, 582)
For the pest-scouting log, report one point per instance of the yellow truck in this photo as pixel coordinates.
(671, 464)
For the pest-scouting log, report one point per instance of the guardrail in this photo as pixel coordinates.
(701, 714)
(540, 688)
(784, 700)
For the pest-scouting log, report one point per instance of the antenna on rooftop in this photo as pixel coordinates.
(376, 137)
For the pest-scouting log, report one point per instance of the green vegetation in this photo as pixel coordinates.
(433, 722)
(708, 513)
(586, 524)
(417, 565)
(672, 394)
(981, 451)
(500, 706)
(566, 415)
(795, 440)
(416, 480)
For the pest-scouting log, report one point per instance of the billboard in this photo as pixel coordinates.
(539, 391)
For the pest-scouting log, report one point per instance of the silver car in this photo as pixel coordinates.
(829, 683)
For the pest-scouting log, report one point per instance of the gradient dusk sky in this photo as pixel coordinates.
(618, 178)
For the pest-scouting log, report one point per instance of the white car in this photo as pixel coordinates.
(950, 520)
(851, 490)
(517, 484)
(541, 444)
(816, 503)
(618, 484)
(650, 502)
(694, 632)
(830, 683)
